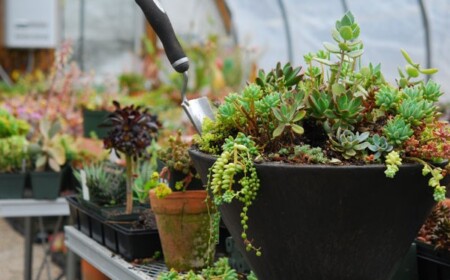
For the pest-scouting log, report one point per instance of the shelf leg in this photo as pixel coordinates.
(28, 262)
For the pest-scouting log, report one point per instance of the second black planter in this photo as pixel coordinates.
(328, 222)
(46, 185)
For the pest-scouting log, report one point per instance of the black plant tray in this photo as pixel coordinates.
(432, 264)
(137, 243)
(119, 238)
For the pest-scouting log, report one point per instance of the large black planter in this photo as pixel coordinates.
(329, 222)
(12, 185)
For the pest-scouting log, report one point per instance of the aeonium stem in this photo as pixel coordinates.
(129, 171)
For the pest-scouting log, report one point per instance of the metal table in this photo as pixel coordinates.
(107, 262)
(29, 208)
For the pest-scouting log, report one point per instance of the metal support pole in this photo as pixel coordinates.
(287, 30)
(28, 261)
(426, 27)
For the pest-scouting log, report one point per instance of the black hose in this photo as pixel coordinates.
(287, 30)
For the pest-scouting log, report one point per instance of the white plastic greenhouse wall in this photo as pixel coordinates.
(386, 27)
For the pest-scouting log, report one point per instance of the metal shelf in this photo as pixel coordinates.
(109, 263)
(33, 207)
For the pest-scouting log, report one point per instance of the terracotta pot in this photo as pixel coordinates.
(89, 272)
(183, 223)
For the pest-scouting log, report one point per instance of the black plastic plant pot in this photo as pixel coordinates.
(84, 220)
(328, 222)
(73, 209)
(12, 185)
(136, 243)
(110, 237)
(92, 120)
(117, 213)
(432, 264)
(45, 185)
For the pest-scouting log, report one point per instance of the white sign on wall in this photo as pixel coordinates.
(31, 23)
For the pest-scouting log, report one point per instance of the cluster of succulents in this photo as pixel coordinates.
(347, 111)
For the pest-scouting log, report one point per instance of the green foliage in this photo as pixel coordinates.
(348, 143)
(387, 98)
(48, 151)
(308, 154)
(10, 126)
(397, 130)
(133, 82)
(146, 179)
(279, 79)
(105, 181)
(379, 145)
(393, 161)
(177, 160)
(221, 270)
(236, 159)
(14, 154)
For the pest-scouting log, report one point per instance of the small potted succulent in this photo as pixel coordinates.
(433, 244)
(12, 166)
(326, 159)
(48, 156)
(14, 159)
(182, 213)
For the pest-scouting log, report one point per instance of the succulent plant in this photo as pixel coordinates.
(48, 151)
(436, 229)
(10, 126)
(379, 145)
(132, 130)
(14, 151)
(347, 110)
(431, 91)
(397, 130)
(147, 178)
(308, 154)
(279, 79)
(349, 144)
(387, 98)
(105, 181)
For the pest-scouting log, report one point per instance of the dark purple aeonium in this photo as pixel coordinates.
(131, 131)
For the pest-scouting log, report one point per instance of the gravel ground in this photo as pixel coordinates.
(12, 255)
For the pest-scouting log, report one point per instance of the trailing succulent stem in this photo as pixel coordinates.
(236, 159)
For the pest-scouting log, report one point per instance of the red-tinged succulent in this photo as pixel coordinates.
(436, 230)
(430, 143)
(132, 130)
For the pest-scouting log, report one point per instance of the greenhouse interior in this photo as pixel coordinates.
(142, 139)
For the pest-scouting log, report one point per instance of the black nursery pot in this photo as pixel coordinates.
(91, 121)
(432, 264)
(12, 185)
(46, 185)
(137, 243)
(328, 222)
